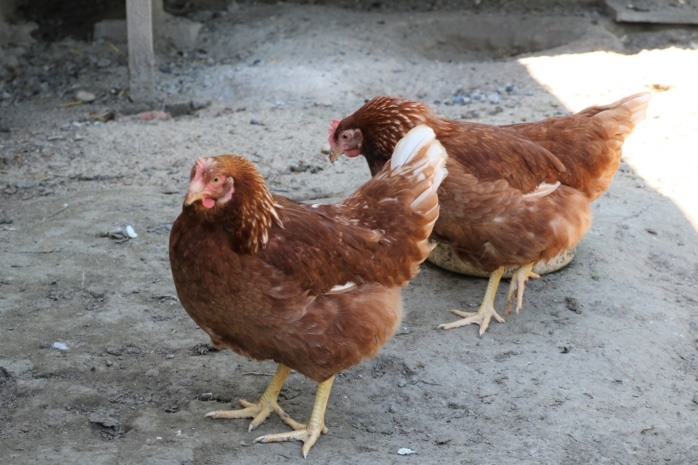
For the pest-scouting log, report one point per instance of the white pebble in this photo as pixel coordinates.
(405, 451)
(60, 346)
(130, 232)
(85, 96)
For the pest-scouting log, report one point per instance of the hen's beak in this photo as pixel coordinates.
(335, 152)
(194, 193)
(192, 197)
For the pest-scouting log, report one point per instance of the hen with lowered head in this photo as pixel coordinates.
(516, 194)
(316, 288)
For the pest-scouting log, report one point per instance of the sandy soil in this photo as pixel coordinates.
(100, 364)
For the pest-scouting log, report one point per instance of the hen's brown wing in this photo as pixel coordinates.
(492, 224)
(318, 252)
(357, 240)
(491, 153)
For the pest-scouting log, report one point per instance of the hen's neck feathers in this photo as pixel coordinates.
(386, 120)
(251, 212)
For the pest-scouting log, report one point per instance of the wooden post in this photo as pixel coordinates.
(141, 55)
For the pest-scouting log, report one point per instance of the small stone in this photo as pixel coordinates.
(494, 99)
(10, 61)
(85, 96)
(103, 63)
(693, 324)
(405, 451)
(573, 304)
(200, 103)
(60, 346)
(176, 109)
(130, 232)
(97, 292)
(114, 350)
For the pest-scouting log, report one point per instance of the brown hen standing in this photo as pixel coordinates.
(517, 194)
(316, 288)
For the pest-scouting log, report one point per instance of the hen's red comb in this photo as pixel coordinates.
(333, 128)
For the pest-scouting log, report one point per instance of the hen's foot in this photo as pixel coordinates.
(517, 285)
(309, 433)
(482, 318)
(485, 313)
(264, 406)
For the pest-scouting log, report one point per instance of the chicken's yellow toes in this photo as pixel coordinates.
(481, 318)
(264, 406)
(309, 435)
(258, 412)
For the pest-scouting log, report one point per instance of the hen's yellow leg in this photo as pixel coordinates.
(265, 405)
(518, 284)
(309, 433)
(486, 311)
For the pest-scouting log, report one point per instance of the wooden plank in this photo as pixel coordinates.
(654, 11)
(141, 54)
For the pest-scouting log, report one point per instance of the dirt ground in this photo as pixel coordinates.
(100, 364)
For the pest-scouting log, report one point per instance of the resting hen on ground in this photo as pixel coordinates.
(516, 194)
(316, 288)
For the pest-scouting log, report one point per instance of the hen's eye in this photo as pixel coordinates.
(215, 180)
(344, 136)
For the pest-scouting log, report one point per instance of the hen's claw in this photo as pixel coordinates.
(482, 318)
(486, 311)
(518, 284)
(308, 434)
(264, 406)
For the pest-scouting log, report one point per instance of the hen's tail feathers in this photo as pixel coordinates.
(594, 160)
(622, 116)
(637, 104)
